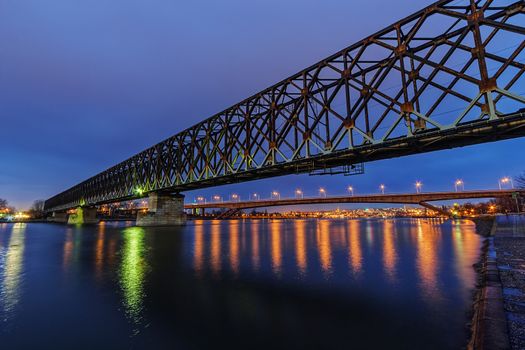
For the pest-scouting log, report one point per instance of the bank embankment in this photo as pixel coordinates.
(499, 308)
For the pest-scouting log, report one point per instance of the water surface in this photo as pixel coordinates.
(330, 284)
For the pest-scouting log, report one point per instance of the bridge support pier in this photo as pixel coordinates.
(86, 216)
(58, 216)
(163, 210)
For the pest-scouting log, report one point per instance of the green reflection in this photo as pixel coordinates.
(132, 272)
(13, 269)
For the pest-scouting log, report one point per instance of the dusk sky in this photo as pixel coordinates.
(87, 84)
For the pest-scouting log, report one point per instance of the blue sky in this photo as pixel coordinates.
(84, 85)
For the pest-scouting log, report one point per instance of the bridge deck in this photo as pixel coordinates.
(411, 198)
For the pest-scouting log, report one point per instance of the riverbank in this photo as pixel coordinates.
(509, 242)
(499, 307)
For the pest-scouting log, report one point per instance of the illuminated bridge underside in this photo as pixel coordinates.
(448, 76)
(412, 198)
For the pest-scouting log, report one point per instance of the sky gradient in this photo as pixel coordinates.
(85, 85)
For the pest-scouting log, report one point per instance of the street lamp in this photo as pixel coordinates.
(504, 181)
(382, 188)
(255, 196)
(322, 192)
(351, 190)
(234, 197)
(299, 193)
(276, 194)
(217, 198)
(418, 186)
(201, 199)
(459, 184)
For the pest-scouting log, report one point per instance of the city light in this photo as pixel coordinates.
(459, 185)
(201, 199)
(504, 181)
(21, 216)
(276, 195)
(350, 189)
(418, 186)
(299, 193)
(217, 198)
(234, 197)
(255, 196)
(382, 188)
(322, 192)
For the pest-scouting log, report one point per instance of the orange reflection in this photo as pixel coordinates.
(389, 250)
(112, 251)
(323, 245)
(300, 245)
(68, 249)
(464, 239)
(355, 254)
(99, 250)
(198, 248)
(256, 258)
(234, 246)
(275, 242)
(215, 258)
(427, 246)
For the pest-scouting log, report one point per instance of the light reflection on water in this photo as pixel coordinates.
(158, 280)
(132, 272)
(330, 241)
(12, 276)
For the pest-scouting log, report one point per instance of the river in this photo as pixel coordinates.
(269, 284)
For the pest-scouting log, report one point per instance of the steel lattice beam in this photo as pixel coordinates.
(447, 76)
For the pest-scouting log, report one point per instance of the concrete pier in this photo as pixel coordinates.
(83, 216)
(163, 210)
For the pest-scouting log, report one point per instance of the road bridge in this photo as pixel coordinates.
(447, 76)
(422, 199)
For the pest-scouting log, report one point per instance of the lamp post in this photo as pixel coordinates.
(299, 193)
(382, 188)
(234, 197)
(276, 195)
(322, 192)
(418, 186)
(351, 190)
(217, 198)
(459, 184)
(504, 181)
(256, 196)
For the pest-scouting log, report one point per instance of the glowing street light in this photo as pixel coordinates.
(459, 185)
(299, 193)
(276, 195)
(351, 190)
(256, 196)
(418, 186)
(382, 188)
(322, 192)
(234, 197)
(504, 181)
(201, 199)
(217, 198)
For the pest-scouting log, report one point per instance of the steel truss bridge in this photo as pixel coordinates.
(233, 207)
(447, 76)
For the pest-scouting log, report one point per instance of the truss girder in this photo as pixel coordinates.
(446, 76)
